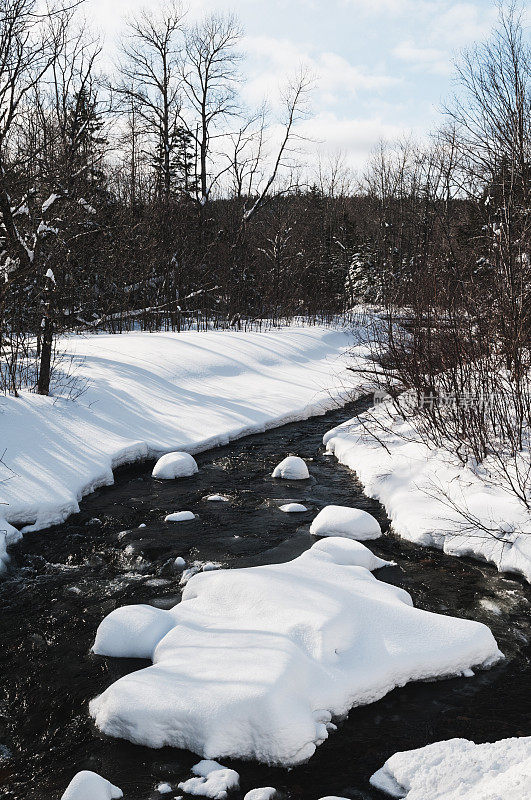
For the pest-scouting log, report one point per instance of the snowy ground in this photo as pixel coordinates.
(151, 393)
(458, 769)
(254, 663)
(422, 488)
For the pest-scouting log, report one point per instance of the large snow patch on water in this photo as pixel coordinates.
(258, 660)
(458, 769)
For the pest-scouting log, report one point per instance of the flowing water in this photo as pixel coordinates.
(63, 581)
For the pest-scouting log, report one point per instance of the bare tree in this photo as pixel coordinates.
(210, 75)
(151, 84)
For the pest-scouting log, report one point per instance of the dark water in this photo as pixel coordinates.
(63, 581)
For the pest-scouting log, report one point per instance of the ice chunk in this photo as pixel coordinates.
(291, 468)
(354, 523)
(88, 785)
(258, 660)
(265, 793)
(179, 562)
(164, 788)
(458, 769)
(179, 516)
(175, 465)
(293, 508)
(217, 498)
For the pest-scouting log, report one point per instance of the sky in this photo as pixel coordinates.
(383, 67)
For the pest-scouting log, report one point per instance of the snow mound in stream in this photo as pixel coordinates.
(458, 769)
(353, 523)
(258, 660)
(293, 508)
(88, 785)
(213, 780)
(175, 465)
(179, 516)
(291, 468)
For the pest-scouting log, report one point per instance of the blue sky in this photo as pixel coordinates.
(383, 67)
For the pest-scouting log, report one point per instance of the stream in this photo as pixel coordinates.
(63, 581)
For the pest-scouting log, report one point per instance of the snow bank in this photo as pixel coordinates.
(293, 508)
(175, 465)
(150, 393)
(213, 780)
(88, 785)
(258, 660)
(291, 468)
(420, 489)
(354, 523)
(459, 770)
(179, 516)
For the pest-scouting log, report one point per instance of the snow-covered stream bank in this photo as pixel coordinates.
(66, 580)
(150, 393)
(431, 498)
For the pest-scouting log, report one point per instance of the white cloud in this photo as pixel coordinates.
(274, 60)
(431, 58)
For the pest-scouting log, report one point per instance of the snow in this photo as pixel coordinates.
(264, 793)
(179, 516)
(291, 468)
(151, 393)
(213, 780)
(175, 465)
(422, 487)
(179, 562)
(458, 769)
(164, 788)
(293, 508)
(132, 631)
(217, 498)
(47, 203)
(258, 660)
(354, 523)
(88, 785)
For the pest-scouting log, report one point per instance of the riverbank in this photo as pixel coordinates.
(146, 393)
(430, 497)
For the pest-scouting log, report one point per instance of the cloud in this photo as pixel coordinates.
(336, 78)
(354, 137)
(463, 23)
(427, 58)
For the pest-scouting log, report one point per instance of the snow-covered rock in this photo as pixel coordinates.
(291, 468)
(175, 465)
(131, 632)
(354, 523)
(179, 562)
(179, 516)
(88, 785)
(213, 780)
(336, 549)
(264, 793)
(458, 769)
(258, 660)
(293, 508)
(164, 788)
(217, 498)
